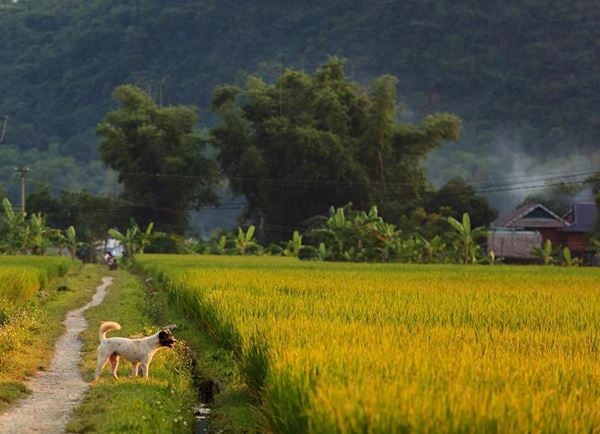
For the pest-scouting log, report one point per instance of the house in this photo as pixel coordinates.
(581, 220)
(514, 235)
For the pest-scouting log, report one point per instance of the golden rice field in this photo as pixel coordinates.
(359, 348)
(22, 276)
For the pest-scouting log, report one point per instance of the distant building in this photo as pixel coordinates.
(514, 235)
(581, 220)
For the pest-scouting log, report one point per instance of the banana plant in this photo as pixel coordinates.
(594, 246)
(294, 245)
(129, 239)
(39, 234)
(465, 239)
(15, 228)
(545, 254)
(244, 242)
(68, 239)
(147, 236)
(568, 260)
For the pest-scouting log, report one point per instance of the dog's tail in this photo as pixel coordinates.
(106, 327)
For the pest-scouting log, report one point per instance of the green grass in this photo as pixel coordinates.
(161, 404)
(233, 410)
(28, 335)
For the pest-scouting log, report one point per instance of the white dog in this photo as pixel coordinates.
(137, 351)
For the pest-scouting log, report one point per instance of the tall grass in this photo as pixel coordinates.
(22, 276)
(354, 348)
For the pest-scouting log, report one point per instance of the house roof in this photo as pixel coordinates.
(584, 217)
(530, 216)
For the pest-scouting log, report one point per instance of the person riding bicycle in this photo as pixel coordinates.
(110, 260)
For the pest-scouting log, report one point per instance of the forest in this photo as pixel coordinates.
(525, 85)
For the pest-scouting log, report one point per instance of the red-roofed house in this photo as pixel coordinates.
(514, 235)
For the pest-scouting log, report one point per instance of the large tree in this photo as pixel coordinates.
(458, 197)
(160, 160)
(306, 142)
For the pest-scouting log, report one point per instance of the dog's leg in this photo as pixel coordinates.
(145, 367)
(134, 369)
(102, 360)
(114, 363)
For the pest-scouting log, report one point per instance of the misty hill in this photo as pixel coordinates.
(506, 67)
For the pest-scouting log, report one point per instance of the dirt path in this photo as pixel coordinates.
(57, 391)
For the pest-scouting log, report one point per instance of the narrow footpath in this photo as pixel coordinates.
(58, 390)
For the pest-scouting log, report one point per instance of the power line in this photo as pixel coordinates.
(287, 181)
(239, 206)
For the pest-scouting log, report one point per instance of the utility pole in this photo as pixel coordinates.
(5, 117)
(22, 172)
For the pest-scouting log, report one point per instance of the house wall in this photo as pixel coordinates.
(552, 234)
(576, 242)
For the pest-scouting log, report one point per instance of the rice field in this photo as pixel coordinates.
(362, 348)
(21, 277)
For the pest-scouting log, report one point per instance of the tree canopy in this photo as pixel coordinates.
(306, 142)
(159, 159)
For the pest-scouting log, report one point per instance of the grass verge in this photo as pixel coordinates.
(165, 402)
(27, 339)
(161, 404)
(233, 410)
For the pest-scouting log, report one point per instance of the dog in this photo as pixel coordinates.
(137, 351)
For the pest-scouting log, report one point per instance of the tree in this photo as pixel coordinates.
(465, 239)
(68, 239)
(91, 215)
(458, 197)
(245, 243)
(307, 142)
(160, 160)
(546, 253)
(134, 239)
(15, 231)
(293, 246)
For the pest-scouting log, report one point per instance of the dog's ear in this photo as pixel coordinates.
(170, 327)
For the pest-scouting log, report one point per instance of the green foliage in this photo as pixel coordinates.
(457, 197)
(467, 250)
(159, 158)
(134, 239)
(546, 253)
(14, 229)
(305, 142)
(69, 240)
(505, 62)
(568, 260)
(19, 234)
(245, 243)
(293, 246)
(91, 215)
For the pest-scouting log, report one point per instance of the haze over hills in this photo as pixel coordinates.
(524, 77)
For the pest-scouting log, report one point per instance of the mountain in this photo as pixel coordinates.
(526, 72)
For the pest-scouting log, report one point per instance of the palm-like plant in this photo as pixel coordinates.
(147, 236)
(465, 239)
(594, 245)
(134, 240)
(545, 253)
(16, 231)
(568, 260)
(40, 234)
(355, 235)
(129, 239)
(293, 246)
(244, 242)
(68, 239)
